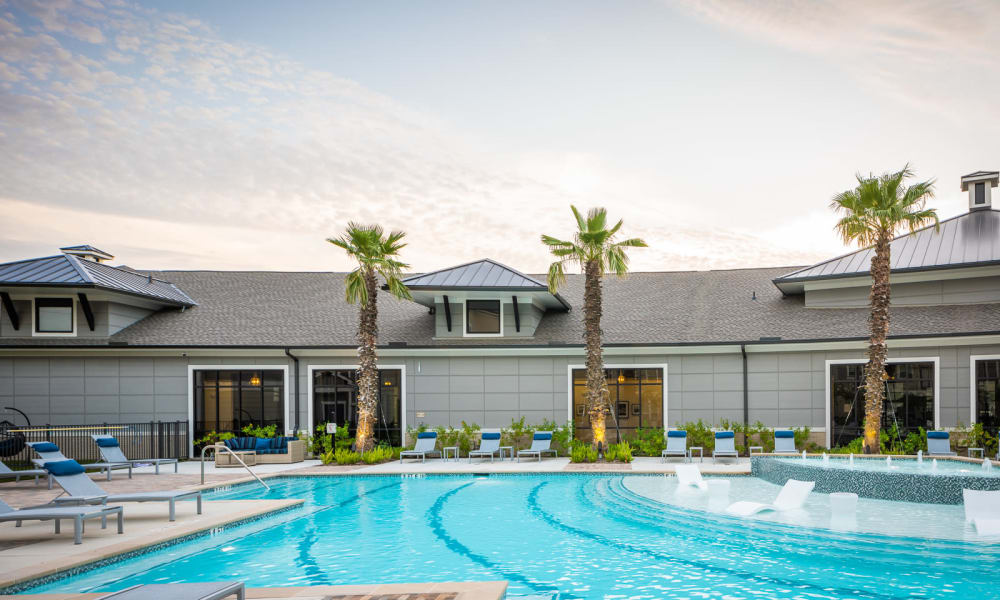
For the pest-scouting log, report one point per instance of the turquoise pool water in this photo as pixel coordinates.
(587, 536)
(902, 465)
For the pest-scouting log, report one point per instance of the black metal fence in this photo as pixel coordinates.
(155, 439)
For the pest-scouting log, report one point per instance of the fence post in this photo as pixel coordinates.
(159, 436)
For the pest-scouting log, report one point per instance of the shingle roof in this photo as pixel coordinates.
(70, 271)
(268, 309)
(972, 238)
(480, 274)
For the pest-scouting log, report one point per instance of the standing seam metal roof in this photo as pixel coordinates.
(479, 274)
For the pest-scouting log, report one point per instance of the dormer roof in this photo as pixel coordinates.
(484, 275)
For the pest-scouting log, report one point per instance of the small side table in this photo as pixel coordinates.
(509, 450)
(449, 449)
(978, 450)
(700, 453)
(759, 449)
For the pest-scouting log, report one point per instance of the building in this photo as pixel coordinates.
(85, 342)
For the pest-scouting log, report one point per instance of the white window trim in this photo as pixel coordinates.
(465, 316)
(903, 359)
(569, 387)
(972, 381)
(34, 316)
(226, 367)
(310, 369)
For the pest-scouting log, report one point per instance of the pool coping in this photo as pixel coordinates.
(464, 590)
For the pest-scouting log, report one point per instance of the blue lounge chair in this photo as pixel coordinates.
(541, 444)
(49, 452)
(112, 453)
(6, 471)
(488, 446)
(725, 445)
(426, 442)
(784, 441)
(676, 445)
(939, 444)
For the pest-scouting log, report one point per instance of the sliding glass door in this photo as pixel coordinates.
(229, 400)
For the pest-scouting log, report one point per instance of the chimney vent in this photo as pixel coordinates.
(87, 252)
(979, 186)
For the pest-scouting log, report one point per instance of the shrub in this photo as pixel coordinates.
(561, 435)
(622, 452)
(379, 454)
(648, 441)
(213, 438)
(518, 434)
(464, 438)
(342, 440)
(346, 457)
(326, 457)
(582, 452)
(252, 430)
(320, 443)
(699, 434)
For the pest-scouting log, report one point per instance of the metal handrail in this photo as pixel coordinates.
(218, 447)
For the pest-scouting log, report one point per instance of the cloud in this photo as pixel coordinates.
(918, 52)
(194, 151)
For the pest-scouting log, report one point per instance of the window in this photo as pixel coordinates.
(335, 400)
(636, 397)
(981, 193)
(988, 394)
(482, 317)
(231, 400)
(909, 399)
(54, 315)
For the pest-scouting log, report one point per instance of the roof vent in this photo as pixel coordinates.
(87, 252)
(978, 185)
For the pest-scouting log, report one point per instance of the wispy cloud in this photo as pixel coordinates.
(120, 124)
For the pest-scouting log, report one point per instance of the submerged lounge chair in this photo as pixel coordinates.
(541, 444)
(81, 489)
(689, 476)
(792, 496)
(488, 446)
(213, 590)
(49, 452)
(784, 441)
(676, 445)
(725, 445)
(57, 513)
(982, 509)
(112, 453)
(939, 444)
(6, 471)
(426, 440)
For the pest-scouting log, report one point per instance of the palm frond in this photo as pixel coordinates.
(355, 291)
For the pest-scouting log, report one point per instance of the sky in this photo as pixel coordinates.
(240, 135)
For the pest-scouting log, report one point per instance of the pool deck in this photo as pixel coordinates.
(33, 550)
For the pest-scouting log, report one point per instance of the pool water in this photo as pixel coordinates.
(902, 465)
(553, 536)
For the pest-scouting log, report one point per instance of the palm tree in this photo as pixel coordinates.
(376, 255)
(595, 250)
(872, 214)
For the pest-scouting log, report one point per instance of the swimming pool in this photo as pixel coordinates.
(929, 465)
(555, 536)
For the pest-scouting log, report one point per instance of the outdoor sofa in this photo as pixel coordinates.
(279, 450)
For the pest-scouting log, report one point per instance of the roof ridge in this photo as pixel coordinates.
(75, 262)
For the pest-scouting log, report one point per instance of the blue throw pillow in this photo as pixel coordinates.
(63, 467)
(107, 442)
(784, 433)
(492, 435)
(543, 435)
(721, 435)
(423, 435)
(262, 444)
(937, 435)
(46, 447)
(680, 433)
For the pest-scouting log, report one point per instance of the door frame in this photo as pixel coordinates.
(972, 382)
(310, 369)
(828, 399)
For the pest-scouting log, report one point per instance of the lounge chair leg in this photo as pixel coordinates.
(121, 521)
(172, 515)
(109, 472)
(78, 530)
(176, 462)
(157, 468)
(199, 503)
(50, 482)
(104, 521)
(130, 470)
(57, 525)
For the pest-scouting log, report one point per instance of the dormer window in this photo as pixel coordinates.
(54, 315)
(482, 317)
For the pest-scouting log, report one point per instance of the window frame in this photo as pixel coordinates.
(973, 392)
(35, 332)
(465, 317)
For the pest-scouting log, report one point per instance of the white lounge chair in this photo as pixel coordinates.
(81, 489)
(784, 441)
(689, 476)
(982, 510)
(939, 444)
(58, 513)
(426, 441)
(488, 446)
(541, 443)
(112, 453)
(792, 496)
(49, 452)
(676, 445)
(6, 472)
(725, 445)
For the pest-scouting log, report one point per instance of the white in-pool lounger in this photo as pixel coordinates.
(689, 476)
(81, 489)
(112, 454)
(57, 513)
(982, 509)
(792, 496)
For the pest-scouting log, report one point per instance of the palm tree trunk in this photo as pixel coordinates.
(597, 384)
(878, 322)
(367, 366)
